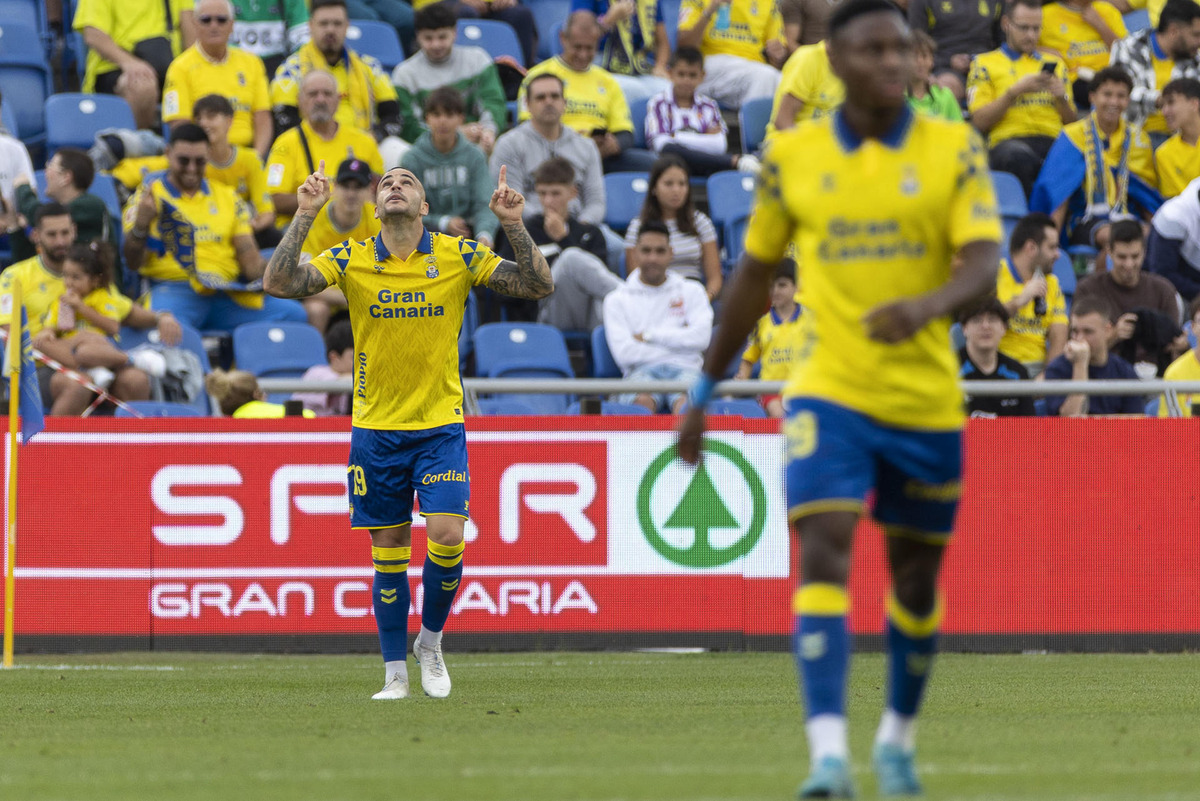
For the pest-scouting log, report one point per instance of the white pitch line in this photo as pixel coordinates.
(119, 668)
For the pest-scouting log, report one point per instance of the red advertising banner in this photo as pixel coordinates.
(585, 526)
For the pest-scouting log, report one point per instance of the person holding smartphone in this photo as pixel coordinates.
(1018, 97)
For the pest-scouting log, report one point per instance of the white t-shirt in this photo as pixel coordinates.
(14, 162)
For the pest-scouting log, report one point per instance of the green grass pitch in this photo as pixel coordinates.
(594, 726)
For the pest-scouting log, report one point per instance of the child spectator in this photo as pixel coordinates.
(453, 171)
(1178, 158)
(575, 251)
(693, 237)
(685, 123)
(923, 94)
(983, 326)
(238, 395)
(775, 341)
(339, 350)
(443, 62)
(89, 311)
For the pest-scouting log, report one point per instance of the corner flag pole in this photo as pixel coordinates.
(13, 362)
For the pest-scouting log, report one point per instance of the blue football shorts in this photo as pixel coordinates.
(388, 467)
(836, 456)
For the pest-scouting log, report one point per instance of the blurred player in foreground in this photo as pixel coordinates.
(895, 229)
(406, 289)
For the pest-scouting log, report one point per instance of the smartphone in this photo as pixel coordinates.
(1049, 67)
(599, 131)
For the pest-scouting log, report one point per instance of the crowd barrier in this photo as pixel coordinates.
(586, 532)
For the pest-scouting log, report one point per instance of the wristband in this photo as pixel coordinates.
(701, 392)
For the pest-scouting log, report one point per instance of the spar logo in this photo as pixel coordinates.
(688, 519)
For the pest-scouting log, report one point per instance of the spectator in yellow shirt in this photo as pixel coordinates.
(1081, 32)
(743, 46)
(1030, 292)
(1178, 159)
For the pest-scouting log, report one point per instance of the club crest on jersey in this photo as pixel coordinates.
(827, 182)
(908, 184)
(379, 267)
(431, 270)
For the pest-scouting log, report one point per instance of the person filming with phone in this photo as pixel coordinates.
(1018, 96)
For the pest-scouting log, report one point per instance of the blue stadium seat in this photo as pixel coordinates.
(735, 241)
(72, 120)
(1010, 195)
(744, 407)
(603, 363)
(752, 119)
(132, 337)
(105, 188)
(730, 196)
(546, 15)
(1064, 270)
(624, 194)
(25, 76)
(277, 349)
(493, 35)
(1152, 407)
(1137, 20)
(524, 350)
(8, 118)
(376, 39)
(500, 407)
(31, 13)
(159, 409)
(637, 112)
(469, 324)
(608, 408)
(670, 15)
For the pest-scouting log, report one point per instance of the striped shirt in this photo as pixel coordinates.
(685, 248)
(665, 119)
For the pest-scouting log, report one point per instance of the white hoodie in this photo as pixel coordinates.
(674, 319)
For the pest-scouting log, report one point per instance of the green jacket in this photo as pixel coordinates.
(457, 184)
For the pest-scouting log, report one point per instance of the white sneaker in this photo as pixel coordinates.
(749, 164)
(149, 361)
(435, 681)
(101, 377)
(396, 687)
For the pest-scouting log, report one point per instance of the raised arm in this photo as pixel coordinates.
(528, 276)
(285, 276)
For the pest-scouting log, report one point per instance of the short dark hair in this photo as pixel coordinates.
(1111, 75)
(989, 305)
(851, 10)
(785, 269)
(562, 85)
(1127, 230)
(339, 337)
(48, 210)
(96, 259)
(1094, 304)
(188, 132)
(1030, 228)
(653, 227)
(79, 164)
(1184, 87)
(212, 104)
(447, 100)
(319, 4)
(690, 55)
(1012, 4)
(439, 15)
(1182, 11)
(556, 170)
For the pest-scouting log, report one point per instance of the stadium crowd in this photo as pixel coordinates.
(617, 120)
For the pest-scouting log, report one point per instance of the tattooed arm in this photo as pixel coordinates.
(528, 275)
(285, 276)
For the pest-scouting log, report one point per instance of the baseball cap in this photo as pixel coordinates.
(354, 170)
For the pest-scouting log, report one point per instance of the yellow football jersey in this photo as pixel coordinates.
(1178, 164)
(1033, 113)
(1065, 32)
(1025, 339)
(874, 221)
(126, 22)
(132, 171)
(775, 344)
(217, 215)
(240, 77)
(1185, 368)
(593, 99)
(40, 290)
(808, 77)
(752, 23)
(324, 233)
(362, 83)
(106, 300)
(245, 174)
(288, 164)
(406, 314)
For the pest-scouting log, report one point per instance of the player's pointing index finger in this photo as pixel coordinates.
(321, 168)
(503, 184)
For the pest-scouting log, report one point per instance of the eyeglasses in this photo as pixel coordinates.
(199, 161)
(209, 20)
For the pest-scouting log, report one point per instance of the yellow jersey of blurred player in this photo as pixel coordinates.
(895, 226)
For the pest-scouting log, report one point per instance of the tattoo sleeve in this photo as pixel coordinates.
(528, 276)
(286, 277)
